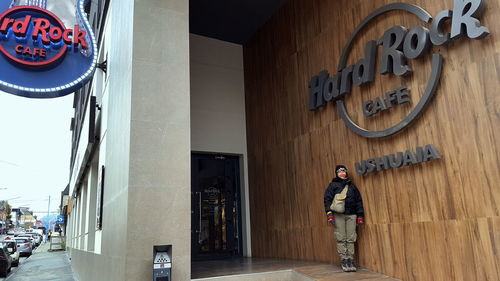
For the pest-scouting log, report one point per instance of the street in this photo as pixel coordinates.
(22, 260)
(41, 265)
(44, 266)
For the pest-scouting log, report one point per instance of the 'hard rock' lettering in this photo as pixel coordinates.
(398, 46)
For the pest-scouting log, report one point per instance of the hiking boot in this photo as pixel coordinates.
(350, 265)
(344, 265)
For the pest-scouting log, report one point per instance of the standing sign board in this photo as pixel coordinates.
(40, 57)
(56, 243)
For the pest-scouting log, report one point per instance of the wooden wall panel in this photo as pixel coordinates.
(434, 221)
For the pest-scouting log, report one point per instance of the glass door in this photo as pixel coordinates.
(215, 207)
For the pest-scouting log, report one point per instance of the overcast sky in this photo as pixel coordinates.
(35, 145)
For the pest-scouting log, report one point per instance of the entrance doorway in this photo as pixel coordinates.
(215, 207)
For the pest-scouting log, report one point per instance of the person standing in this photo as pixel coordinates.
(345, 223)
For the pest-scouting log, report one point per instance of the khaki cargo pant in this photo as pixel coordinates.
(345, 233)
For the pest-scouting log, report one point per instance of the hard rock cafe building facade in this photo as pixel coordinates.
(215, 128)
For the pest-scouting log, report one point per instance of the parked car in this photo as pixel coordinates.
(5, 261)
(32, 238)
(13, 251)
(37, 238)
(39, 231)
(9, 237)
(24, 245)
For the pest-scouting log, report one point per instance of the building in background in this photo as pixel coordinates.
(63, 209)
(13, 219)
(5, 215)
(24, 217)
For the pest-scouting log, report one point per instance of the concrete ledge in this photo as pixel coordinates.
(281, 275)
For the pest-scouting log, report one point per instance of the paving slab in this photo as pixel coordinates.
(45, 266)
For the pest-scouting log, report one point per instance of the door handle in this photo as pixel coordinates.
(199, 210)
(199, 218)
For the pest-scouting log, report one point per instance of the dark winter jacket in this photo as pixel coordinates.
(353, 201)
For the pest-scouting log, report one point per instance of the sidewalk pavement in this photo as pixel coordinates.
(44, 266)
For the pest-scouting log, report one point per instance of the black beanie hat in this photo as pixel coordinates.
(339, 167)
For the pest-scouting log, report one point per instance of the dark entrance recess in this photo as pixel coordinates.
(215, 207)
(229, 20)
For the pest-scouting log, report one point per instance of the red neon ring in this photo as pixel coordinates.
(43, 11)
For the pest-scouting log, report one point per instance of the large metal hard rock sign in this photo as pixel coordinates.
(398, 46)
(40, 57)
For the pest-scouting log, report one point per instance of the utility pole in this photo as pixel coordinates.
(48, 212)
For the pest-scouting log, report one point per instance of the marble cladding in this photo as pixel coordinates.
(218, 122)
(215, 52)
(159, 201)
(110, 264)
(119, 43)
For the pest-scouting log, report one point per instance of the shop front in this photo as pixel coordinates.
(218, 134)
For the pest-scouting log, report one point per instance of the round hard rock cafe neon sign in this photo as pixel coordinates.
(42, 58)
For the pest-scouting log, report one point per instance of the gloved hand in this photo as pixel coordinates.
(360, 221)
(330, 217)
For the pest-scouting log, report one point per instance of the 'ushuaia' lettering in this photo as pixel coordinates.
(397, 160)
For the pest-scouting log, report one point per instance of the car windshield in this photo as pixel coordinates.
(8, 244)
(19, 241)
